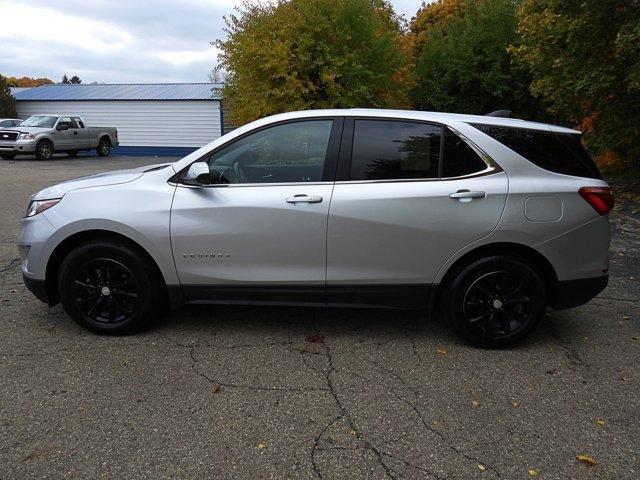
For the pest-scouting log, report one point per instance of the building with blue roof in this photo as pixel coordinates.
(152, 119)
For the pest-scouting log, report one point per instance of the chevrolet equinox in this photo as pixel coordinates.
(488, 220)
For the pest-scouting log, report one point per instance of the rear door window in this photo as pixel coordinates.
(392, 150)
(556, 152)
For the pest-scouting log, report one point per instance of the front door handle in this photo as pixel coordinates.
(466, 195)
(302, 198)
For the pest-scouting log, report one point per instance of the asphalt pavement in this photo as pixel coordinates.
(247, 392)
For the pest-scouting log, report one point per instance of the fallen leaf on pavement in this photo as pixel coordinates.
(515, 403)
(533, 472)
(586, 459)
(481, 467)
(262, 445)
(475, 403)
(353, 432)
(441, 351)
(314, 338)
(216, 388)
(600, 422)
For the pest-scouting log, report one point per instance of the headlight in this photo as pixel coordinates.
(39, 206)
(26, 136)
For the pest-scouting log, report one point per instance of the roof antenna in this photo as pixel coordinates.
(500, 113)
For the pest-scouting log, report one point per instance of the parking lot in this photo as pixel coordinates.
(247, 392)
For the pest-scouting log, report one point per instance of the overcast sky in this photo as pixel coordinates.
(117, 41)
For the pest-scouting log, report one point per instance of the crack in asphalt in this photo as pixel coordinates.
(344, 413)
(213, 381)
(439, 434)
(11, 265)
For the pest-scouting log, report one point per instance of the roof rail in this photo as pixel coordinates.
(500, 113)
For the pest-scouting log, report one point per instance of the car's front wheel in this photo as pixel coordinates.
(108, 287)
(495, 301)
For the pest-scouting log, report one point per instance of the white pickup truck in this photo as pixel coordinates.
(43, 135)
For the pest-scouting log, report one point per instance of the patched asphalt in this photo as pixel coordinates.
(247, 392)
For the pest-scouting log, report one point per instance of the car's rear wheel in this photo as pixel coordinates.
(495, 301)
(8, 156)
(109, 288)
(104, 147)
(44, 150)
(72, 153)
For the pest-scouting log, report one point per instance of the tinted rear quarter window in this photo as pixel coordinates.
(556, 152)
(459, 158)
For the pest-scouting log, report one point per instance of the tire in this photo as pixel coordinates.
(72, 153)
(104, 147)
(8, 156)
(109, 288)
(495, 301)
(44, 150)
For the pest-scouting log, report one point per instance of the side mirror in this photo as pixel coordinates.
(62, 127)
(197, 175)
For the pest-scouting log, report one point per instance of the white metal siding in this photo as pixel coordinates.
(172, 123)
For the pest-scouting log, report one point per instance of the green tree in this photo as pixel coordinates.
(302, 54)
(465, 66)
(7, 103)
(585, 60)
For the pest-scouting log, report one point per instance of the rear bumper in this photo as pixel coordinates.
(573, 293)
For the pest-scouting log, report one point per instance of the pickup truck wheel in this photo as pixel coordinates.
(44, 150)
(109, 288)
(8, 156)
(72, 153)
(104, 148)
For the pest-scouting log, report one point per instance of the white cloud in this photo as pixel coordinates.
(116, 40)
(52, 27)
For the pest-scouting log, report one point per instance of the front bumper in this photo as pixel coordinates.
(573, 293)
(38, 288)
(18, 147)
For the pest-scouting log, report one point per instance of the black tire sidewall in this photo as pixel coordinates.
(39, 149)
(99, 149)
(463, 279)
(148, 289)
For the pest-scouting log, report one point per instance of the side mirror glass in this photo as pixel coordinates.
(62, 127)
(197, 175)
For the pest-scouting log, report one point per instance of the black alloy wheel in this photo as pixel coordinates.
(495, 301)
(106, 291)
(497, 304)
(111, 287)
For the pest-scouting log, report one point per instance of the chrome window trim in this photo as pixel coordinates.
(490, 170)
(237, 185)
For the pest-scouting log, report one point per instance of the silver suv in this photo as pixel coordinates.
(490, 219)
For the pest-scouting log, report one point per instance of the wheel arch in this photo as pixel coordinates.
(63, 249)
(105, 136)
(531, 256)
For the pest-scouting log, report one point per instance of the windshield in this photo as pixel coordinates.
(39, 121)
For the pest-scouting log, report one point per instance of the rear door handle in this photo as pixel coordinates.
(466, 195)
(302, 198)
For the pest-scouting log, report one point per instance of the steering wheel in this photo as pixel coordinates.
(240, 177)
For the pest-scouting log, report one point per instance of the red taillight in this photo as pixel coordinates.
(600, 198)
